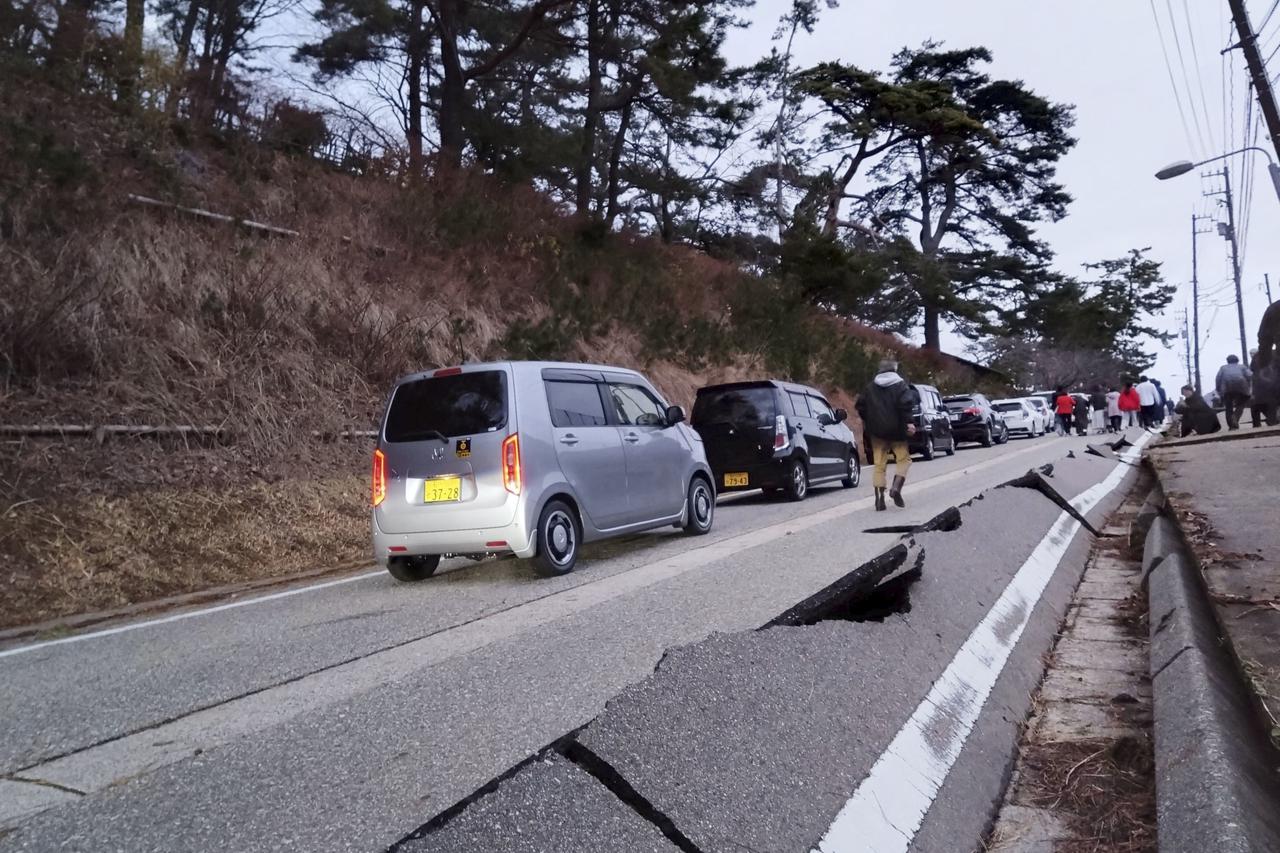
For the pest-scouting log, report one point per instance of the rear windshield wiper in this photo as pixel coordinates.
(426, 433)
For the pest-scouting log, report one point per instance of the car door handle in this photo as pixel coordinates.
(631, 437)
(569, 439)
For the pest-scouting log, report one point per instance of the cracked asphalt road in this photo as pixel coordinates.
(342, 718)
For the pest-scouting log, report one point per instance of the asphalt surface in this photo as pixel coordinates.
(344, 716)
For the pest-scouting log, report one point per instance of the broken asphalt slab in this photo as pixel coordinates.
(756, 740)
(551, 804)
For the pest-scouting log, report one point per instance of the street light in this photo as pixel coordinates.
(1181, 167)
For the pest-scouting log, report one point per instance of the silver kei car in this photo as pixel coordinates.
(531, 458)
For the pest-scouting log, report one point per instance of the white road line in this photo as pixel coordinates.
(841, 509)
(889, 807)
(186, 614)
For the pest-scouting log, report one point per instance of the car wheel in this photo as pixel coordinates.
(700, 508)
(1004, 435)
(558, 536)
(927, 453)
(797, 480)
(410, 569)
(853, 472)
(987, 440)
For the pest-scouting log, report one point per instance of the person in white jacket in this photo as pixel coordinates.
(1149, 397)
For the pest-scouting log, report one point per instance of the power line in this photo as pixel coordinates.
(1195, 59)
(1186, 79)
(1267, 17)
(1177, 97)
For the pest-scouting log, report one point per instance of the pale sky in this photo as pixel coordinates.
(1103, 56)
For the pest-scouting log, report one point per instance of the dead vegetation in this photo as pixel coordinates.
(1104, 788)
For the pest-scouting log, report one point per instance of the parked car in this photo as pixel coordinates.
(1020, 417)
(532, 458)
(776, 436)
(1042, 407)
(933, 426)
(973, 419)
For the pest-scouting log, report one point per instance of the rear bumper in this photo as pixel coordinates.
(518, 539)
(771, 474)
(968, 430)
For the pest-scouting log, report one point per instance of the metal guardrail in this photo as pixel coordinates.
(101, 433)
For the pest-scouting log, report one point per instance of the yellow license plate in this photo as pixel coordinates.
(732, 480)
(443, 489)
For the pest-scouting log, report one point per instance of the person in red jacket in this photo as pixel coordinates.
(1130, 405)
(1064, 406)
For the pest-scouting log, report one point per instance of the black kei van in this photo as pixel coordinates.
(775, 436)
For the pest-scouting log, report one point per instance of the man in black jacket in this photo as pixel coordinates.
(885, 407)
(1197, 416)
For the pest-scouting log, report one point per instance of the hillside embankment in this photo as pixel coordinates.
(116, 312)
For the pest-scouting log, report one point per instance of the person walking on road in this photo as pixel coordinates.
(1098, 410)
(1113, 409)
(1081, 413)
(1064, 408)
(1198, 417)
(885, 408)
(1130, 405)
(1232, 384)
(1149, 400)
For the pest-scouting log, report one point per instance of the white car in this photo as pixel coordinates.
(1020, 417)
(1041, 407)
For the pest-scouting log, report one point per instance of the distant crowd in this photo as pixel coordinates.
(1108, 408)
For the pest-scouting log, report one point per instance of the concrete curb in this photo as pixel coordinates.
(1215, 786)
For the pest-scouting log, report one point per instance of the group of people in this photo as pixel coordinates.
(1143, 403)
(1256, 385)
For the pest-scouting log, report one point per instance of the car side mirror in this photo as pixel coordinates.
(825, 420)
(675, 415)
(841, 416)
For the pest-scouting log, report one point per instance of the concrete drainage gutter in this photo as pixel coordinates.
(1216, 770)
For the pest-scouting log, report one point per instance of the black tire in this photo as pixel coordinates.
(700, 508)
(411, 569)
(559, 535)
(986, 440)
(929, 451)
(797, 480)
(1004, 435)
(853, 466)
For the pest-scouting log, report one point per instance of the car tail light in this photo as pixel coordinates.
(511, 463)
(973, 410)
(447, 371)
(781, 438)
(379, 477)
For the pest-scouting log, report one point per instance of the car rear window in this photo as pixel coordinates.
(575, 404)
(958, 404)
(446, 406)
(1008, 407)
(746, 407)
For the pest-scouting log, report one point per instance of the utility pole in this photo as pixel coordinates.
(1257, 70)
(1186, 337)
(1195, 294)
(1228, 231)
(1266, 277)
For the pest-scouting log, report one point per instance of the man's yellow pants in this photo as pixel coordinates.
(880, 450)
